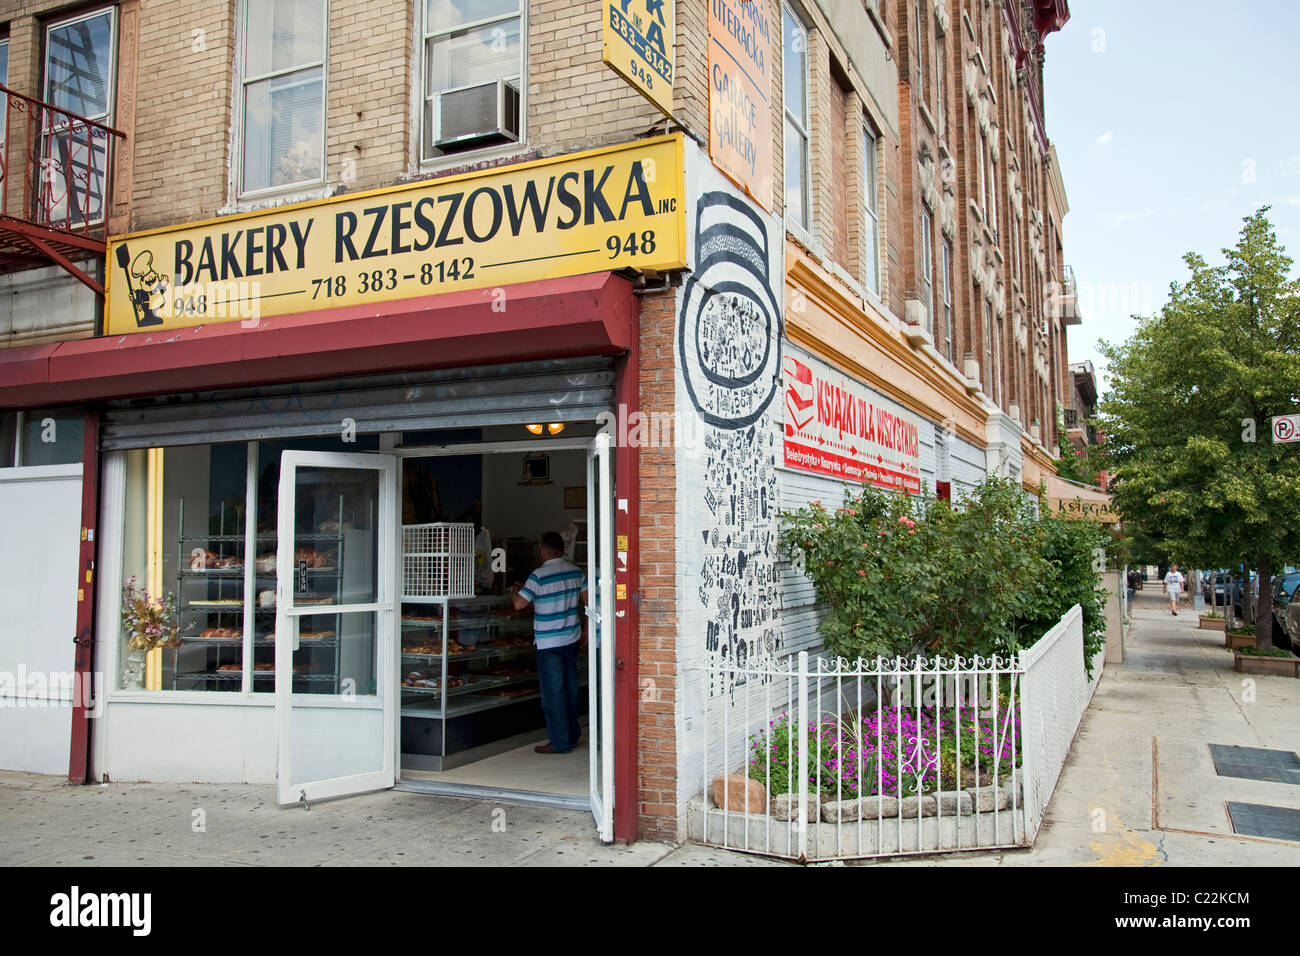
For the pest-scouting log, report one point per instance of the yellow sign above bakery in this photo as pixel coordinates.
(637, 43)
(596, 211)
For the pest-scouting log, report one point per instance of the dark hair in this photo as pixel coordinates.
(553, 542)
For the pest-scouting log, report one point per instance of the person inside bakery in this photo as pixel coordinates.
(557, 591)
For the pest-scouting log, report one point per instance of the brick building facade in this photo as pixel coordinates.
(911, 242)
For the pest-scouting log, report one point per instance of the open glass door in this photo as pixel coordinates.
(335, 703)
(600, 615)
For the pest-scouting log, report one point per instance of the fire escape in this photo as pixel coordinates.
(55, 183)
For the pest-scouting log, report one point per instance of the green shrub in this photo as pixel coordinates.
(906, 575)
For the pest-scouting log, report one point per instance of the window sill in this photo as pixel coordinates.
(235, 698)
(925, 115)
(885, 36)
(256, 202)
(471, 160)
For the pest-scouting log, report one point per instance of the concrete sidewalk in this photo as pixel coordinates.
(46, 822)
(1139, 787)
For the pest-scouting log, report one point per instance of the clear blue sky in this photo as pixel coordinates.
(1172, 119)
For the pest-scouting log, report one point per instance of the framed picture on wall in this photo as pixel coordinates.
(575, 497)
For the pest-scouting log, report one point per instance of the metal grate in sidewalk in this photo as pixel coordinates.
(1256, 763)
(1255, 819)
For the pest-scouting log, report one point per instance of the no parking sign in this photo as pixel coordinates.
(1286, 428)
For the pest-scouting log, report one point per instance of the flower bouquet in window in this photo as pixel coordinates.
(150, 622)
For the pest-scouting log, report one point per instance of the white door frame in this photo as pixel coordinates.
(599, 462)
(289, 791)
(600, 611)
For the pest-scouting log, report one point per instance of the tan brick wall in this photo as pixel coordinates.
(183, 107)
(657, 641)
(181, 137)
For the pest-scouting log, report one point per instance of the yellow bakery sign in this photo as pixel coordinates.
(637, 42)
(596, 211)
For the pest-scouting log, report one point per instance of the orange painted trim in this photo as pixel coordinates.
(845, 330)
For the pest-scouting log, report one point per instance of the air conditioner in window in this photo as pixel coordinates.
(475, 113)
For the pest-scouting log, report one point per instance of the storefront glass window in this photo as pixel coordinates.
(187, 542)
(183, 544)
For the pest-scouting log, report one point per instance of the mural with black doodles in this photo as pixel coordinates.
(729, 333)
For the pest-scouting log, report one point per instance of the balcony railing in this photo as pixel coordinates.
(55, 185)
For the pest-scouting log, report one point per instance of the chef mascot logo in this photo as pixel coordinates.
(148, 289)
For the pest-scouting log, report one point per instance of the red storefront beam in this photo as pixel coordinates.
(578, 315)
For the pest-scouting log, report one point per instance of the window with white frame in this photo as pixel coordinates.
(473, 92)
(282, 94)
(795, 68)
(79, 77)
(945, 344)
(927, 265)
(981, 193)
(871, 252)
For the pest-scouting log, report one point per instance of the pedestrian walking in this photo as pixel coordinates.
(1174, 582)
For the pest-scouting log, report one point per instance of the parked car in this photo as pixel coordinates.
(1285, 589)
(1239, 587)
(1219, 597)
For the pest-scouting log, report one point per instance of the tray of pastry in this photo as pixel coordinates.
(217, 635)
(314, 638)
(429, 683)
(432, 651)
(224, 604)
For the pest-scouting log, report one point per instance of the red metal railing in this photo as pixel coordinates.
(55, 166)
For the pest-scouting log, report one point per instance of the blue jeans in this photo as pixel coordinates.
(557, 673)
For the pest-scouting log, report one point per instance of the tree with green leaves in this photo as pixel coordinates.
(1188, 417)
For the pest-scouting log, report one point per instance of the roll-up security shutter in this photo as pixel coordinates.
(557, 390)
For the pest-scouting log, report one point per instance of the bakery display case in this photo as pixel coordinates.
(469, 679)
(220, 598)
(468, 665)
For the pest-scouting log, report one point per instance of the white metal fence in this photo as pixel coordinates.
(820, 759)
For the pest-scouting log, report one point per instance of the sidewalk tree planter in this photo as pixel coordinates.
(1211, 622)
(1238, 639)
(1276, 666)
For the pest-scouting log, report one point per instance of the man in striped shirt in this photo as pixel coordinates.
(557, 591)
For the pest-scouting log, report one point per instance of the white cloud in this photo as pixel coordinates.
(1106, 138)
(1289, 166)
(1291, 201)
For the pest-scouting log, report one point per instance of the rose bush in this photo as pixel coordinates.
(916, 575)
